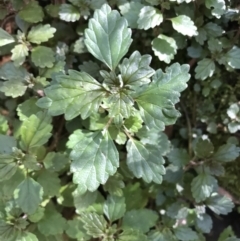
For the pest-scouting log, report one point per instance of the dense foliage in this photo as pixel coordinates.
(87, 90)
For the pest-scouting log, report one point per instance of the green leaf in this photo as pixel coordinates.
(213, 30)
(163, 235)
(35, 130)
(27, 108)
(142, 219)
(69, 13)
(185, 233)
(202, 36)
(32, 12)
(233, 111)
(220, 204)
(28, 195)
(145, 161)
(19, 53)
(55, 162)
(178, 157)
(204, 148)
(75, 230)
(5, 38)
(8, 232)
(114, 208)
(83, 201)
(94, 224)
(218, 7)
(114, 185)
(43, 57)
(156, 101)
(40, 33)
(107, 36)
(6, 144)
(52, 223)
(205, 68)
(232, 57)
(135, 70)
(95, 158)
(133, 123)
(13, 88)
(3, 124)
(72, 95)
(26, 236)
(149, 17)
(226, 153)
(37, 216)
(50, 183)
(203, 186)
(8, 166)
(204, 223)
(184, 25)
(164, 48)
(132, 235)
(131, 10)
(9, 71)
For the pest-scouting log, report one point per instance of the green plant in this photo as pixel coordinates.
(85, 98)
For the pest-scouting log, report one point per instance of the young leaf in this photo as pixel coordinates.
(185, 233)
(149, 17)
(156, 101)
(202, 186)
(28, 195)
(114, 208)
(205, 68)
(94, 224)
(40, 33)
(220, 204)
(164, 48)
(5, 38)
(42, 57)
(145, 161)
(142, 219)
(32, 12)
(226, 153)
(135, 70)
(35, 130)
(26, 236)
(95, 158)
(72, 95)
(19, 53)
(131, 10)
(184, 25)
(69, 13)
(8, 166)
(107, 36)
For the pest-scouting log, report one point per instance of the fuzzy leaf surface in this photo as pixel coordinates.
(226, 153)
(32, 13)
(72, 95)
(19, 53)
(107, 36)
(203, 186)
(114, 208)
(69, 13)
(28, 195)
(95, 158)
(156, 101)
(35, 130)
(205, 68)
(8, 166)
(43, 57)
(135, 70)
(145, 161)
